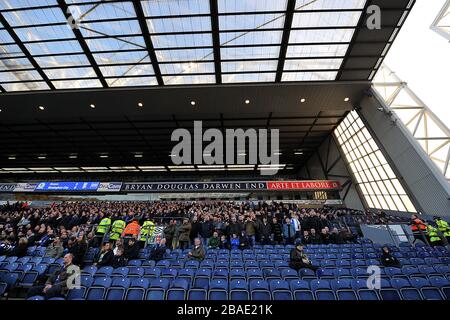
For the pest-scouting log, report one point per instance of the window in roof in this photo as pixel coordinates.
(186, 24)
(72, 73)
(248, 77)
(325, 19)
(229, 6)
(25, 86)
(54, 47)
(319, 36)
(307, 51)
(312, 64)
(121, 57)
(239, 66)
(182, 40)
(157, 8)
(132, 82)
(251, 21)
(185, 55)
(249, 52)
(329, 4)
(45, 33)
(77, 84)
(250, 38)
(189, 79)
(186, 68)
(62, 61)
(116, 44)
(309, 76)
(34, 17)
(127, 70)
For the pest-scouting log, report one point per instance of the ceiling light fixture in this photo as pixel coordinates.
(247, 101)
(41, 108)
(193, 103)
(302, 100)
(92, 106)
(12, 158)
(347, 99)
(104, 156)
(73, 156)
(42, 157)
(139, 155)
(140, 104)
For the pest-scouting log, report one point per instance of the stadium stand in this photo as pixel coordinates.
(257, 272)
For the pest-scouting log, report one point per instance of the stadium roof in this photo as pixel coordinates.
(74, 44)
(165, 54)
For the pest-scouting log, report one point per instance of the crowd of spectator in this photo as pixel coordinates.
(70, 227)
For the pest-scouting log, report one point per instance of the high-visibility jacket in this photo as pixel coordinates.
(418, 225)
(104, 225)
(443, 227)
(133, 229)
(147, 230)
(117, 228)
(433, 233)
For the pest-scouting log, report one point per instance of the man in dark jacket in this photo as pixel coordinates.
(78, 250)
(277, 231)
(169, 233)
(264, 230)
(315, 237)
(206, 231)
(195, 229)
(131, 249)
(198, 252)
(234, 227)
(184, 232)
(158, 251)
(105, 257)
(298, 259)
(57, 283)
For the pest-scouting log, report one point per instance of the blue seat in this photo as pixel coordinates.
(118, 289)
(271, 274)
(280, 290)
(394, 272)
(288, 274)
(259, 289)
(178, 290)
(28, 279)
(239, 290)
(104, 271)
(220, 273)
(197, 294)
(307, 274)
(120, 272)
(168, 273)
(341, 273)
(155, 294)
(254, 274)
(76, 294)
(301, 290)
(407, 291)
(134, 263)
(343, 289)
(137, 289)
(152, 272)
(218, 289)
(192, 264)
(322, 290)
(427, 270)
(237, 273)
(137, 272)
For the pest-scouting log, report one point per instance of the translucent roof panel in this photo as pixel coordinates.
(187, 68)
(312, 64)
(251, 22)
(119, 43)
(188, 79)
(303, 51)
(188, 24)
(326, 19)
(329, 4)
(309, 76)
(156, 8)
(249, 77)
(229, 6)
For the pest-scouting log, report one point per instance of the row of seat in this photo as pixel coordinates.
(105, 288)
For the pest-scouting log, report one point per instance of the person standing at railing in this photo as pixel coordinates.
(433, 235)
(117, 228)
(418, 228)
